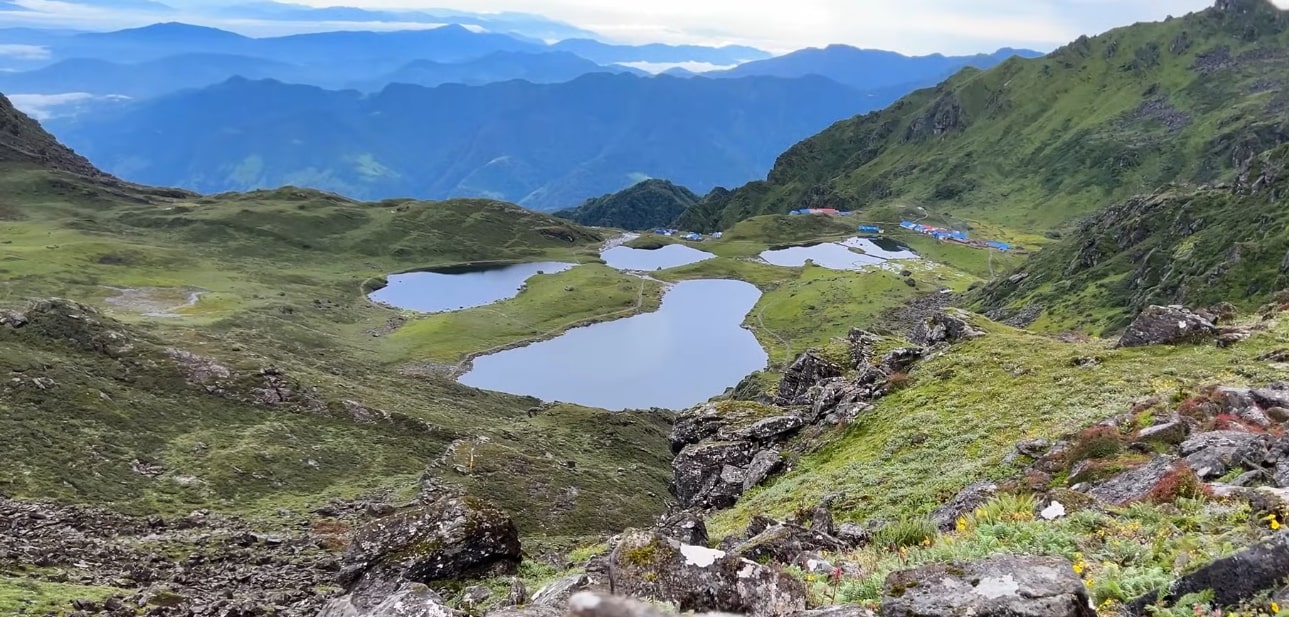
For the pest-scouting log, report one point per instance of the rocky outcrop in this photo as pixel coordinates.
(453, 538)
(1233, 579)
(1213, 454)
(693, 578)
(805, 373)
(1167, 325)
(962, 504)
(946, 326)
(1005, 586)
(1134, 484)
(410, 601)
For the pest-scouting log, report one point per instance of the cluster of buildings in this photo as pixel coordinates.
(832, 211)
(692, 236)
(953, 235)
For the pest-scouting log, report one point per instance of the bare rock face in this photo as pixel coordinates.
(1134, 484)
(649, 566)
(1004, 586)
(808, 370)
(453, 538)
(1167, 325)
(943, 327)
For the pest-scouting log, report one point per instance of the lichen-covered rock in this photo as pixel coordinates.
(785, 542)
(453, 538)
(410, 601)
(1167, 325)
(695, 425)
(1003, 586)
(967, 500)
(650, 566)
(556, 593)
(684, 526)
(900, 360)
(1134, 484)
(1233, 579)
(943, 327)
(1213, 454)
(589, 604)
(862, 345)
(709, 474)
(768, 430)
(808, 370)
(841, 610)
(1172, 432)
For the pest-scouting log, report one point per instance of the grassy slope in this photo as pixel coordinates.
(974, 402)
(1031, 144)
(284, 271)
(646, 205)
(1196, 247)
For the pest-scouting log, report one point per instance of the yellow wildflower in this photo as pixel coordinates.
(1272, 520)
(926, 542)
(1078, 567)
(962, 523)
(1275, 608)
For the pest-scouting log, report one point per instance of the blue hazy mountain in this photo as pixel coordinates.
(605, 53)
(870, 69)
(144, 79)
(538, 68)
(545, 146)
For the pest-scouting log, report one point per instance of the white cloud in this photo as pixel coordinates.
(658, 67)
(24, 52)
(47, 106)
(908, 26)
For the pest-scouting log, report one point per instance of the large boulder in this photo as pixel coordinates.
(1134, 484)
(1002, 586)
(965, 502)
(590, 604)
(410, 601)
(711, 474)
(785, 542)
(1213, 454)
(453, 538)
(1167, 325)
(649, 566)
(946, 326)
(808, 370)
(1261, 567)
(684, 526)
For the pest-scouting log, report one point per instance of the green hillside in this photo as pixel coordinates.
(1033, 144)
(646, 205)
(1178, 245)
(219, 352)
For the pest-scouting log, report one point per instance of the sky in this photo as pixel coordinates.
(907, 26)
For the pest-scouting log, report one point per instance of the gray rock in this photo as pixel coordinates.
(768, 430)
(1172, 432)
(530, 611)
(1134, 484)
(1233, 579)
(589, 604)
(685, 526)
(785, 542)
(454, 538)
(1282, 474)
(1034, 448)
(807, 370)
(557, 592)
(763, 464)
(1274, 395)
(854, 535)
(1004, 586)
(842, 610)
(701, 475)
(967, 500)
(695, 425)
(1167, 325)
(1213, 454)
(473, 597)
(947, 326)
(1240, 402)
(648, 566)
(862, 344)
(899, 361)
(1278, 414)
(410, 601)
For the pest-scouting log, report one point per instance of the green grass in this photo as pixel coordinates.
(284, 275)
(965, 409)
(1033, 144)
(549, 305)
(29, 597)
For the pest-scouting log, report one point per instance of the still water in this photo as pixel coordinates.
(670, 256)
(433, 292)
(688, 351)
(838, 255)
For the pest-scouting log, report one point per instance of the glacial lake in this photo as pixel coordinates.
(648, 260)
(688, 351)
(838, 255)
(433, 292)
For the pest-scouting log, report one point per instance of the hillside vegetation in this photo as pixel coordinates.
(1178, 245)
(219, 352)
(1033, 144)
(647, 205)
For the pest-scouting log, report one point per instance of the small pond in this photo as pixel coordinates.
(647, 260)
(433, 292)
(839, 255)
(688, 351)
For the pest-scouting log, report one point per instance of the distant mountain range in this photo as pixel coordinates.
(650, 204)
(870, 69)
(545, 146)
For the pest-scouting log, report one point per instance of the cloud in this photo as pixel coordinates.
(24, 52)
(48, 106)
